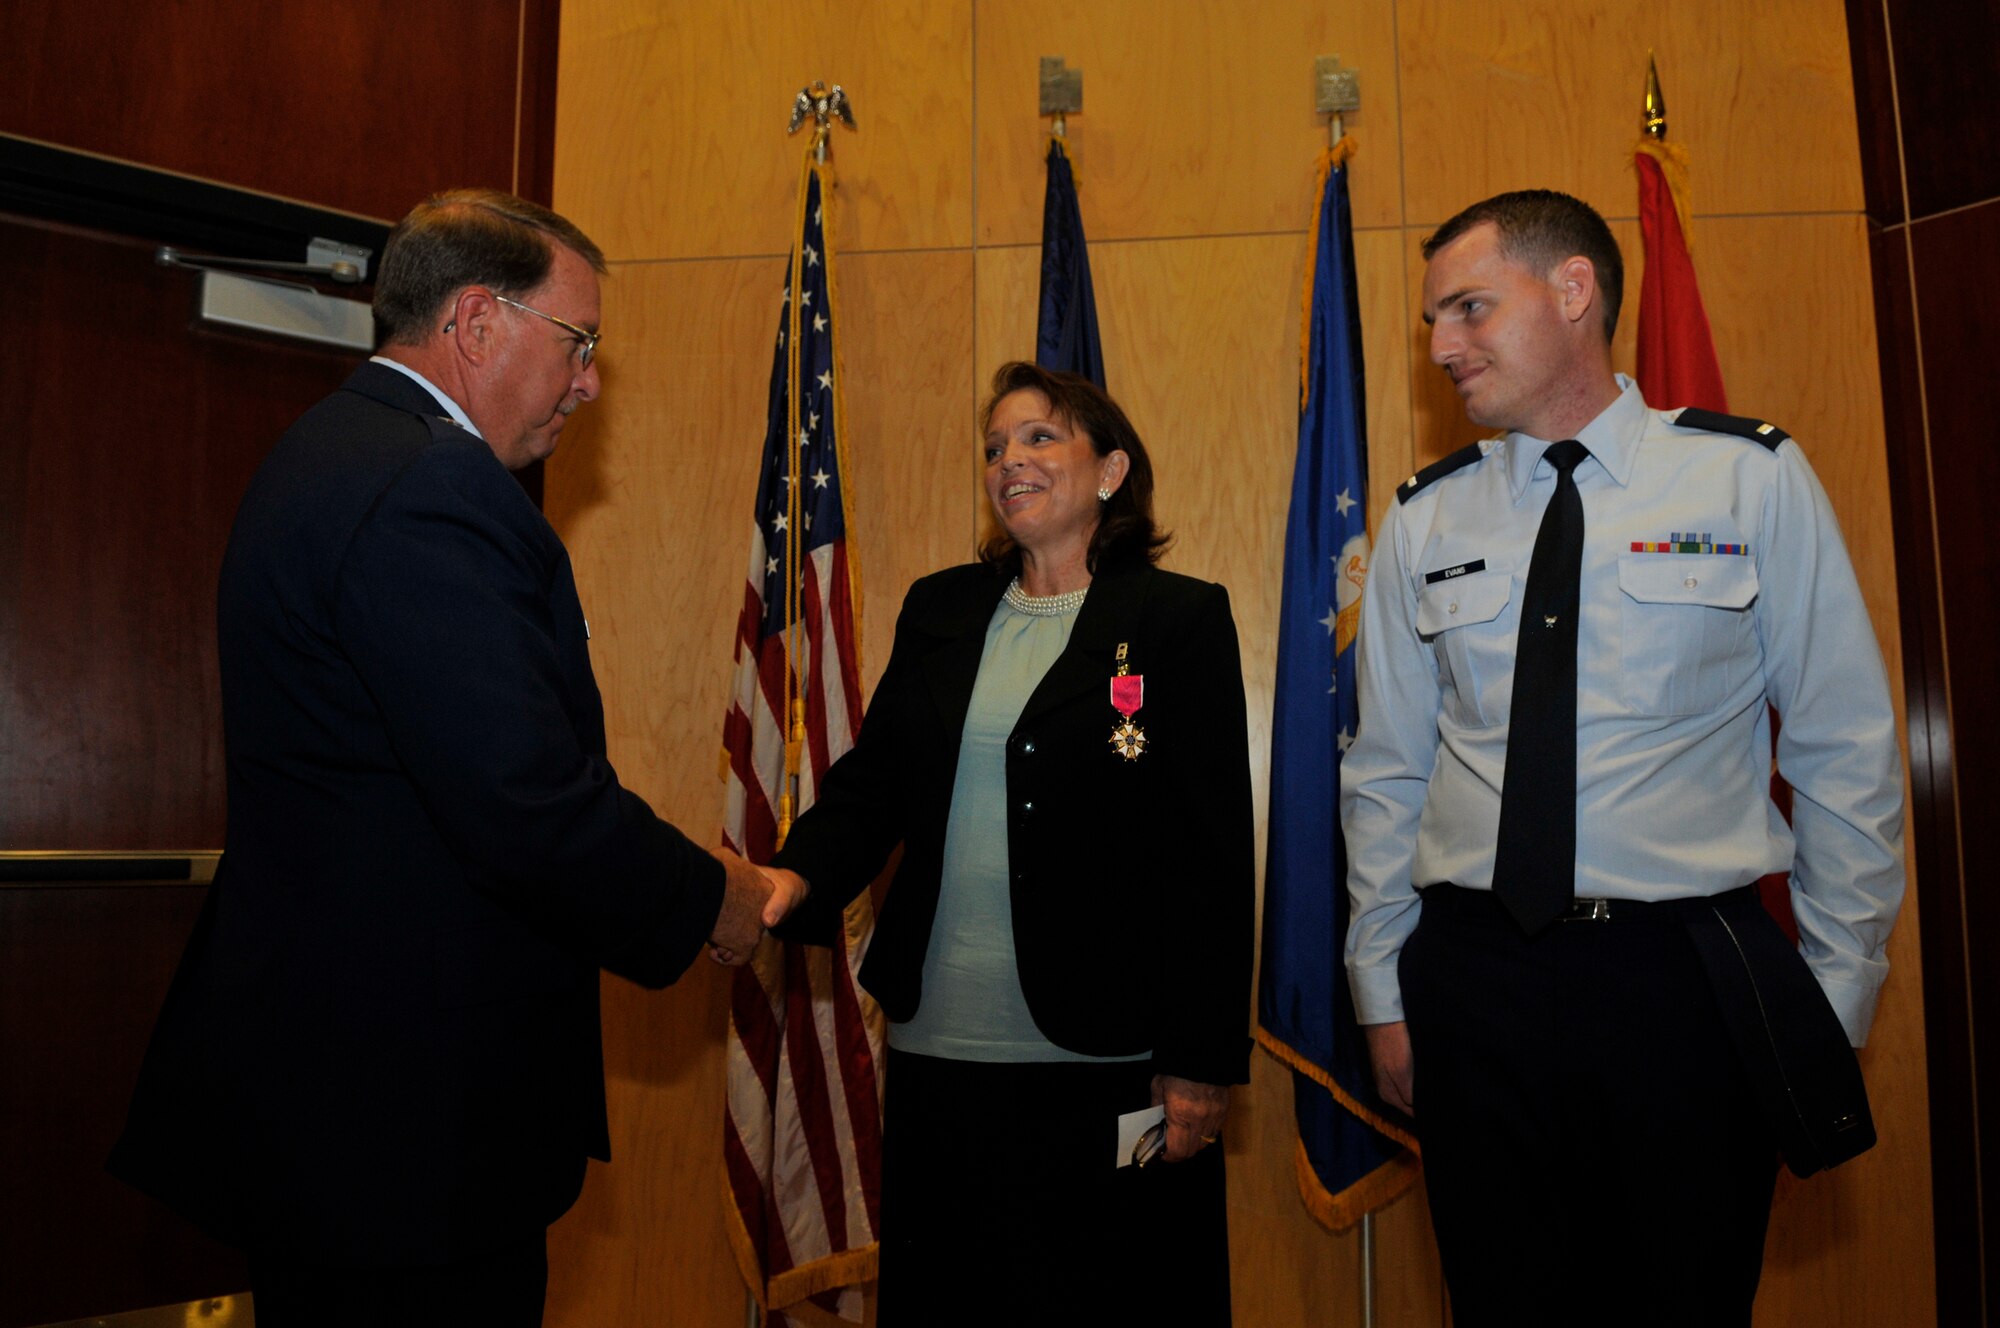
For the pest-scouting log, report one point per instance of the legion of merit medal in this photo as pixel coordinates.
(1128, 693)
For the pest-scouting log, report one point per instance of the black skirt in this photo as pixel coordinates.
(1002, 1203)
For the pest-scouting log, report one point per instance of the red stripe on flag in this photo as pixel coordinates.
(809, 1083)
(857, 1059)
(842, 612)
(750, 1016)
(745, 1185)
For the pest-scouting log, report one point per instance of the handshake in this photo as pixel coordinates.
(753, 900)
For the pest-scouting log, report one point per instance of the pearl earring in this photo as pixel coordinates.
(1104, 495)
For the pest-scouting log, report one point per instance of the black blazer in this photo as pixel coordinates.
(1132, 881)
(382, 1045)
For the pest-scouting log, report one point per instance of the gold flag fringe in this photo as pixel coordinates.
(1376, 1120)
(1673, 159)
(784, 1291)
(1337, 1212)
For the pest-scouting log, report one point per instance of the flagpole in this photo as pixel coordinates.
(1337, 92)
(1368, 1270)
(820, 105)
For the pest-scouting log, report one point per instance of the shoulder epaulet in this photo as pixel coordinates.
(1437, 470)
(1708, 421)
(445, 429)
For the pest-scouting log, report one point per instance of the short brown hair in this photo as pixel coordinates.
(1540, 228)
(1125, 524)
(466, 237)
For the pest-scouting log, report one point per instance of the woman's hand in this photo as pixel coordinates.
(1194, 1113)
(788, 890)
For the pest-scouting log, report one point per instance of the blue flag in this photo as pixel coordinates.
(1066, 327)
(1352, 1157)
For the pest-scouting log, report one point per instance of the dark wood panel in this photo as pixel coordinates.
(132, 440)
(1947, 56)
(541, 33)
(366, 105)
(130, 437)
(1951, 255)
(1933, 821)
(1875, 111)
(82, 973)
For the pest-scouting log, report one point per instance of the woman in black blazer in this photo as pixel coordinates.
(1059, 744)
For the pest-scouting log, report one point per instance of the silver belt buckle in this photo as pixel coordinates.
(1589, 910)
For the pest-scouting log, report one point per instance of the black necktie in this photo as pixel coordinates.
(1534, 865)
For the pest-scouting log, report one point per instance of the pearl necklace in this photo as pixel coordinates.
(1043, 606)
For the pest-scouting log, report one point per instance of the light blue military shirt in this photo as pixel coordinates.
(1715, 586)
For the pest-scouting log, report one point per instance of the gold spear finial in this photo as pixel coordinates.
(1656, 102)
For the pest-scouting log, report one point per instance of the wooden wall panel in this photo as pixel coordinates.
(132, 434)
(1950, 255)
(673, 141)
(365, 105)
(652, 495)
(910, 409)
(1006, 326)
(652, 492)
(1946, 59)
(1546, 94)
(82, 972)
(1195, 118)
(1194, 158)
(1201, 347)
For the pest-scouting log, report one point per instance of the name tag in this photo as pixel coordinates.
(1463, 569)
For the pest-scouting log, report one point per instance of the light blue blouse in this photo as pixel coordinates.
(972, 1007)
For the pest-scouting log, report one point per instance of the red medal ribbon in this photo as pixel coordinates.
(1128, 693)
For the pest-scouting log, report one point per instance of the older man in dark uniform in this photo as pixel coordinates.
(379, 1067)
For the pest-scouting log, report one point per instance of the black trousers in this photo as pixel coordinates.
(1592, 1151)
(499, 1288)
(1001, 1203)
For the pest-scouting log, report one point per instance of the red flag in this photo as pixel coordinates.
(1677, 367)
(802, 1140)
(1677, 364)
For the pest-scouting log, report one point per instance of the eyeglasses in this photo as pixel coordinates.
(586, 342)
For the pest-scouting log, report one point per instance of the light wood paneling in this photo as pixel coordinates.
(1195, 118)
(1194, 158)
(1546, 94)
(652, 494)
(672, 119)
(1201, 347)
(906, 325)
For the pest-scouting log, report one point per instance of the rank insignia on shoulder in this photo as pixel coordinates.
(1709, 421)
(1437, 470)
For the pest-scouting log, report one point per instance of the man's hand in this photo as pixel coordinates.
(1194, 1113)
(1395, 1069)
(746, 892)
(788, 891)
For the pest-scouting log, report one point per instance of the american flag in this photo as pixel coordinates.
(802, 1138)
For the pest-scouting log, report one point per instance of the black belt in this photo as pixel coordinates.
(1464, 900)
